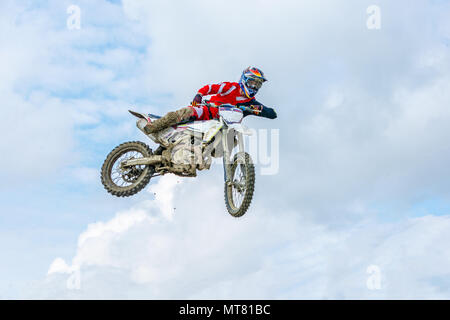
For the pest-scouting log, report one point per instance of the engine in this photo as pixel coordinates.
(187, 150)
(183, 154)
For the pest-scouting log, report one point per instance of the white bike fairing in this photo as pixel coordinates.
(209, 128)
(231, 115)
(233, 118)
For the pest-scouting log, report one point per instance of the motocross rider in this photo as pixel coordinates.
(240, 94)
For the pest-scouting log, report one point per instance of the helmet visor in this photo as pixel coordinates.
(254, 84)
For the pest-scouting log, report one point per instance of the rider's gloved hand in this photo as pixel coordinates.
(197, 99)
(256, 109)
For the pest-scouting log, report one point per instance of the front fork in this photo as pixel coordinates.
(227, 152)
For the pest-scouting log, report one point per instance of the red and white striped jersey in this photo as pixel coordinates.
(224, 93)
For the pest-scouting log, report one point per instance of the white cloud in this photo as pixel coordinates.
(204, 253)
(94, 242)
(362, 118)
(56, 81)
(59, 266)
(345, 95)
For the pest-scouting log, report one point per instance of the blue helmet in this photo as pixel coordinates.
(251, 80)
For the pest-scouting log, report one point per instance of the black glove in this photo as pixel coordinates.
(197, 99)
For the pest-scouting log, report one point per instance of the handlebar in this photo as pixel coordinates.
(251, 109)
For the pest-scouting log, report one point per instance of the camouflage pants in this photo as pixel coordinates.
(170, 119)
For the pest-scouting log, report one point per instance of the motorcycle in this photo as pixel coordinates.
(184, 149)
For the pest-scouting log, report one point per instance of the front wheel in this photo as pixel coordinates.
(239, 190)
(126, 181)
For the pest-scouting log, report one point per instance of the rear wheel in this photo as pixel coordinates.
(125, 182)
(239, 191)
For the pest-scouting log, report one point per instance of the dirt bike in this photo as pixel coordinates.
(184, 149)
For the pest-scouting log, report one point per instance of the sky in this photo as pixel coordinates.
(357, 208)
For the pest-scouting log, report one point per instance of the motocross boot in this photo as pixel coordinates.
(170, 119)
